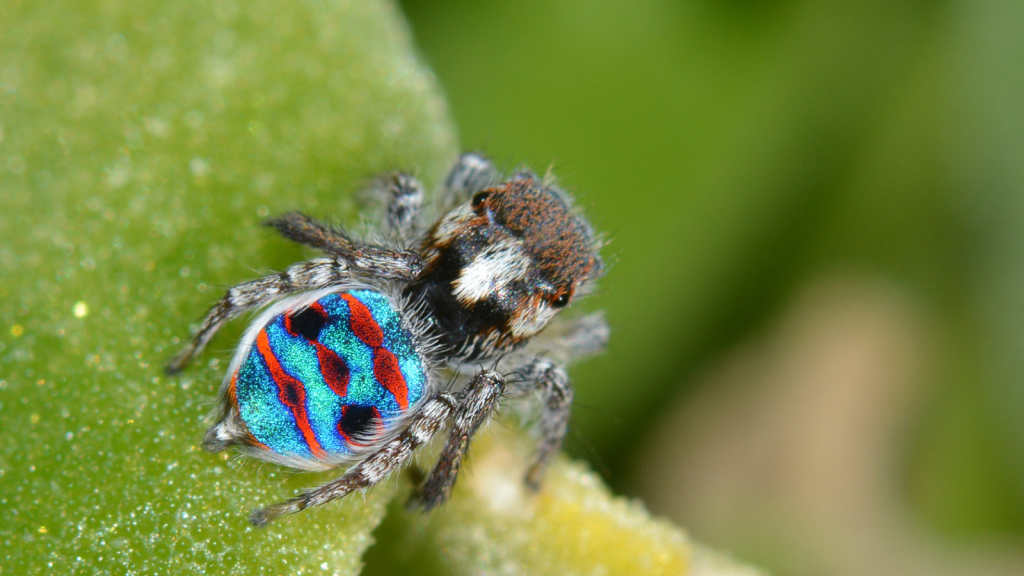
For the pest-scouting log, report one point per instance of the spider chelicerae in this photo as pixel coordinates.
(363, 355)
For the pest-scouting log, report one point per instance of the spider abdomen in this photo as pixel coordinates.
(325, 378)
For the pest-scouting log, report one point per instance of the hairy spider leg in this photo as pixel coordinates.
(378, 261)
(471, 174)
(555, 389)
(376, 466)
(405, 201)
(477, 404)
(544, 374)
(304, 276)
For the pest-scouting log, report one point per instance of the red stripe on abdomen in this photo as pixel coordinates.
(387, 372)
(364, 325)
(385, 363)
(290, 391)
(334, 369)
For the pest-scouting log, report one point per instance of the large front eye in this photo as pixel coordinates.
(561, 300)
(479, 199)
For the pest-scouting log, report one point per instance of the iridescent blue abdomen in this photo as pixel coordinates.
(324, 379)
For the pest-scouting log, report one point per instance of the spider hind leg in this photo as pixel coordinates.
(375, 467)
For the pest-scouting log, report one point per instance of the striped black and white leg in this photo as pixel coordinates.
(375, 467)
(380, 261)
(396, 200)
(551, 382)
(405, 200)
(308, 275)
(478, 402)
(471, 173)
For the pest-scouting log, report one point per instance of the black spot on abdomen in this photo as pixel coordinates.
(307, 323)
(292, 394)
(358, 421)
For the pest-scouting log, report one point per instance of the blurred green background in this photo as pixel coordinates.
(829, 194)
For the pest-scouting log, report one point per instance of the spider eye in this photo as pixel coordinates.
(479, 198)
(561, 300)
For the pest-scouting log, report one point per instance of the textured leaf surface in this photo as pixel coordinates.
(572, 526)
(140, 146)
(141, 143)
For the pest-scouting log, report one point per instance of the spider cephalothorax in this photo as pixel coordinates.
(499, 266)
(363, 355)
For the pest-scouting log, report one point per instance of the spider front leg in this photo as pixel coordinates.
(550, 380)
(541, 371)
(471, 173)
(477, 403)
(405, 199)
(309, 275)
(375, 467)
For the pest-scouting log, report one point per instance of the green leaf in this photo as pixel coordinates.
(141, 144)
